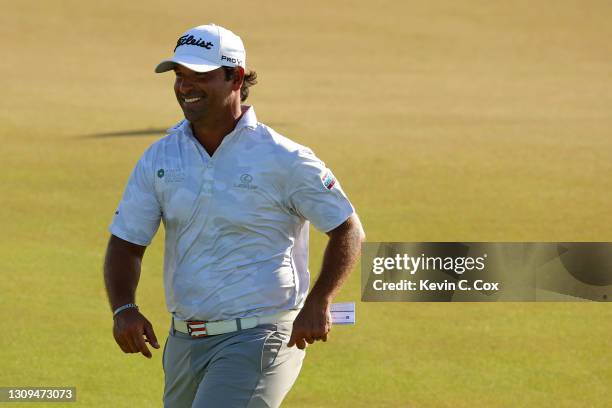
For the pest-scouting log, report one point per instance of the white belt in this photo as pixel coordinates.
(196, 328)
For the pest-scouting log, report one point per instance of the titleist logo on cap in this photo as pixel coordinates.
(191, 40)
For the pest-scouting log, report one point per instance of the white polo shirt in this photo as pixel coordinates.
(236, 223)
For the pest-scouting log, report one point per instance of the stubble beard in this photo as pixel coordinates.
(197, 112)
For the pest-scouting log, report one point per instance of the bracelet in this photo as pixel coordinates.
(122, 308)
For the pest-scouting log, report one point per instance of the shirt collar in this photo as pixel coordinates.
(248, 119)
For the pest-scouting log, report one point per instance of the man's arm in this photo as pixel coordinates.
(342, 251)
(121, 275)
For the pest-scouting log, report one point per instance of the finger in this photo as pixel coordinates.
(130, 343)
(295, 336)
(150, 335)
(123, 345)
(120, 341)
(324, 337)
(131, 340)
(301, 344)
(309, 340)
(142, 347)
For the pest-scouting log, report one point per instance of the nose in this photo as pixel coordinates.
(184, 85)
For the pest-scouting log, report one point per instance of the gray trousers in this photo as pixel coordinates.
(249, 368)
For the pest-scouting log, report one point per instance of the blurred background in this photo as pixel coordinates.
(444, 121)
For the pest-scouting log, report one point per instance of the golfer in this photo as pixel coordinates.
(236, 199)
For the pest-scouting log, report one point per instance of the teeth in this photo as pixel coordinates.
(191, 100)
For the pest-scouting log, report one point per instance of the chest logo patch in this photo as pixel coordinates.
(171, 175)
(246, 182)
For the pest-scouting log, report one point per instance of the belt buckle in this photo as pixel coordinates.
(196, 328)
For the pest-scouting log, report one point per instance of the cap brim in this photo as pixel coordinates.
(188, 61)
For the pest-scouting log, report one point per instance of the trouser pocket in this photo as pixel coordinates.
(164, 354)
(271, 347)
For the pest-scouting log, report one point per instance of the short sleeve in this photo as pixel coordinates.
(139, 213)
(314, 193)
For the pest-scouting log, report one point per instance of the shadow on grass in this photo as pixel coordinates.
(155, 132)
(124, 133)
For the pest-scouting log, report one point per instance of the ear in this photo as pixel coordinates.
(238, 78)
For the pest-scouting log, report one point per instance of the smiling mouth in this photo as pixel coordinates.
(191, 100)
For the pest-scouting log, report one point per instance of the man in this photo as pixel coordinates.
(235, 198)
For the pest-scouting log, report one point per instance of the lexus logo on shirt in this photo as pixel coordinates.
(245, 182)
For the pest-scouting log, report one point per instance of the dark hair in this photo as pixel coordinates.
(250, 79)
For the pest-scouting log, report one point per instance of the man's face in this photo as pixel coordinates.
(202, 94)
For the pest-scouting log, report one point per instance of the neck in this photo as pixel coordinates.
(210, 131)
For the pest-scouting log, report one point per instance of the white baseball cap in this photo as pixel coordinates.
(205, 48)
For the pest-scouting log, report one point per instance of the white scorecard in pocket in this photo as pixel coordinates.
(343, 313)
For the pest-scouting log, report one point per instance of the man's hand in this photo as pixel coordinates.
(312, 323)
(129, 328)
(341, 253)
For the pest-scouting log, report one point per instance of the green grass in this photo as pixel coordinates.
(454, 121)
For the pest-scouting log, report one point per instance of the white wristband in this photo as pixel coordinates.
(122, 308)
